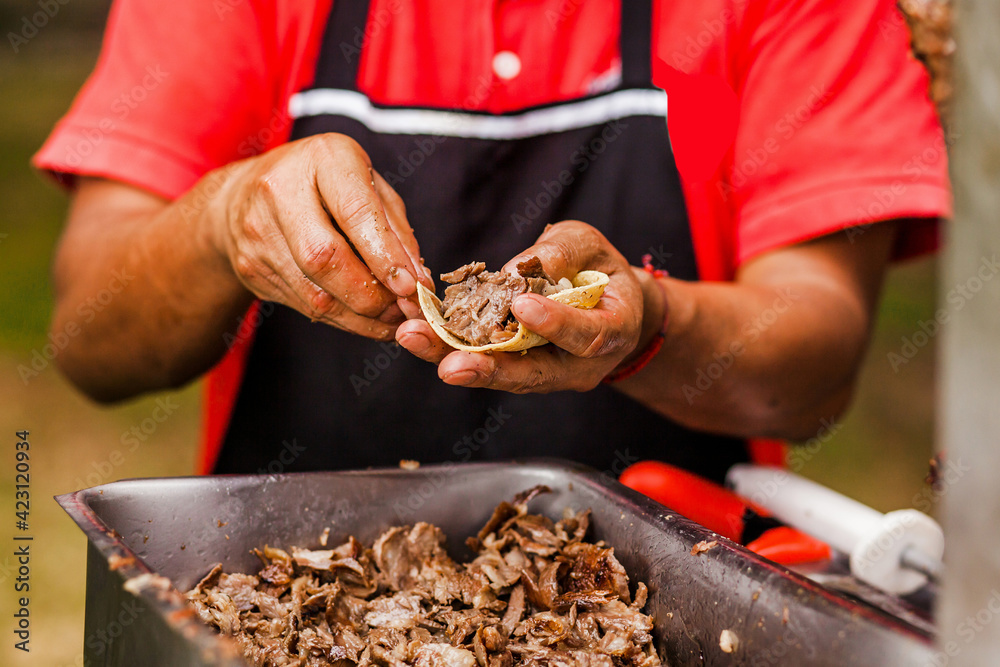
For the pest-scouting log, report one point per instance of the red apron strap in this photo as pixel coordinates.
(222, 384)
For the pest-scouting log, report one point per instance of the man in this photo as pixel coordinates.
(491, 121)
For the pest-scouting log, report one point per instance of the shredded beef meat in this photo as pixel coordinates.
(476, 305)
(535, 594)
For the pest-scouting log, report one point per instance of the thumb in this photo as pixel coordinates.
(565, 249)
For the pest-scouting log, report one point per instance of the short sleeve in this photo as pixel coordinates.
(180, 88)
(836, 129)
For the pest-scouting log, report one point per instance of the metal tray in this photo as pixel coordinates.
(179, 527)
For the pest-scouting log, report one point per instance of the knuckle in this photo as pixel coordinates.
(254, 227)
(269, 184)
(560, 247)
(571, 225)
(356, 208)
(321, 307)
(528, 384)
(335, 147)
(599, 345)
(367, 306)
(247, 269)
(317, 257)
(582, 228)
(569, 337)
(341, 142)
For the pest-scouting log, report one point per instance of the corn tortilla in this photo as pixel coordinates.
(588, 287)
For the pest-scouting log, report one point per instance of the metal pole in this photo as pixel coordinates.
(969, 403)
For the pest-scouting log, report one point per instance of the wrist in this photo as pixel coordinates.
(654, 324)
(654, 309)
(212, 206)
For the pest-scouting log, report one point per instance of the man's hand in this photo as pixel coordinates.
(309, 225)
(586, 344)
(290, 222)
(773, 354)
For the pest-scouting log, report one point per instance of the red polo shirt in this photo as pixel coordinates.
(834, 126)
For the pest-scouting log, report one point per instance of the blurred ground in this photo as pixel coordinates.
(878, 454)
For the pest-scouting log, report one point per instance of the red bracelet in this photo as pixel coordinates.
(654, 346)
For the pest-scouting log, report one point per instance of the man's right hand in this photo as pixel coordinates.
(313, 226)
(149, 292)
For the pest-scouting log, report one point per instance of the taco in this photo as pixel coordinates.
(475, 315)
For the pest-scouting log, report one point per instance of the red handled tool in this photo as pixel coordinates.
(724, 512)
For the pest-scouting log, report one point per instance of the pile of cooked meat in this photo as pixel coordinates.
(476, 305)
(536, 593)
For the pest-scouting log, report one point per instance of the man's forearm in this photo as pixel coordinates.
(145, 296)
(773, 353)
(733, 362)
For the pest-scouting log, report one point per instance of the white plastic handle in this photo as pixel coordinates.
(875, 542)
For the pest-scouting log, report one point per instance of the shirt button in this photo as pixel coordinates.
(506, 65)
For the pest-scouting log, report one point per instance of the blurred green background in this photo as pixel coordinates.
(878, 454)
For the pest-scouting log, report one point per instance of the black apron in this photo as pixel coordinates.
(316, 398)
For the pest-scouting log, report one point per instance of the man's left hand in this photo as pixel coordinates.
(586, 344)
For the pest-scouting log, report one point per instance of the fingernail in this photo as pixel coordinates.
(415, 343)
(529, 311)
(461, 378)
(391, 315)
(401, 282)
